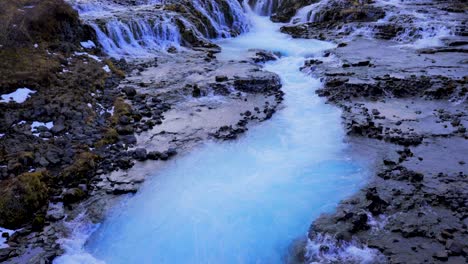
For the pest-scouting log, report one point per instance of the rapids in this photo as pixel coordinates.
(245, 201)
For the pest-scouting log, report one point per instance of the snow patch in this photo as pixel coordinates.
(106, 68)
(19, 96)
(94, 57)
(3, 240)
(88, 44)
(36, 124)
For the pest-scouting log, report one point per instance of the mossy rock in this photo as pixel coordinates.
(110, 137)
(81, 169)
(38, 222)
(21, 197)
(121, 108)
(73, 195)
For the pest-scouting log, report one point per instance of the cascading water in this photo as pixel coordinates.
(245, 201)
(137, 37)
(146, 26)
(420, 30)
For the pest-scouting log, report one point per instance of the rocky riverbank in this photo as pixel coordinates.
(67, 147)
(401, 83)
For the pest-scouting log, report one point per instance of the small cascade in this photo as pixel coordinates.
(264, 7)
(403, 22)
(226, 17)
(309, 13)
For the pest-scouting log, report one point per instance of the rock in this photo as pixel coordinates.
(124, 189)
(154, 155)
(377, 205)
(57, 128)
(129, 91)
(342, 44)
(196, 92)
(361, 64)
(164, 156)
(456, 248)
(119, 177)
(73, 195)
(55, 212)
(124, 120)
(140, 154)
(171, 152)
(124, 163)
(360, 222)
(258, 84)
(172, 49)
(221, 78)
(441, 255)
(129, 139)
(125, 130)
(263, 56)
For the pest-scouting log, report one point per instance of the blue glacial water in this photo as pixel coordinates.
(244, 201)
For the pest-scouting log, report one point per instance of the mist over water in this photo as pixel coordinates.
(244, 201)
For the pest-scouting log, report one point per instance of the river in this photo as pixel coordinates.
(244, 201)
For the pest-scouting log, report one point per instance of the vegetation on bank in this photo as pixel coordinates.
(38, 44)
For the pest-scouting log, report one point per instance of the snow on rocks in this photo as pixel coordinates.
(38, 127)
(19, 96)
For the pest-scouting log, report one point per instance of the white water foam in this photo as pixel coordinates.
(326, 249)
(80, 230)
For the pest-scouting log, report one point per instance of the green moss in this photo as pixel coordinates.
(115, 69)
(81, 169)
(110, 137)
(38, 222)
(21, 197)
(73, 195)
(121, 108)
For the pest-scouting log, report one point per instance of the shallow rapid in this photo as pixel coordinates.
(244, 201)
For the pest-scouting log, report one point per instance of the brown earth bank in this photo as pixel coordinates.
(406, 105)
(70, 147)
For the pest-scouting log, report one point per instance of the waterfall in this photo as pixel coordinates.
(151, 25)
(137, 37)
